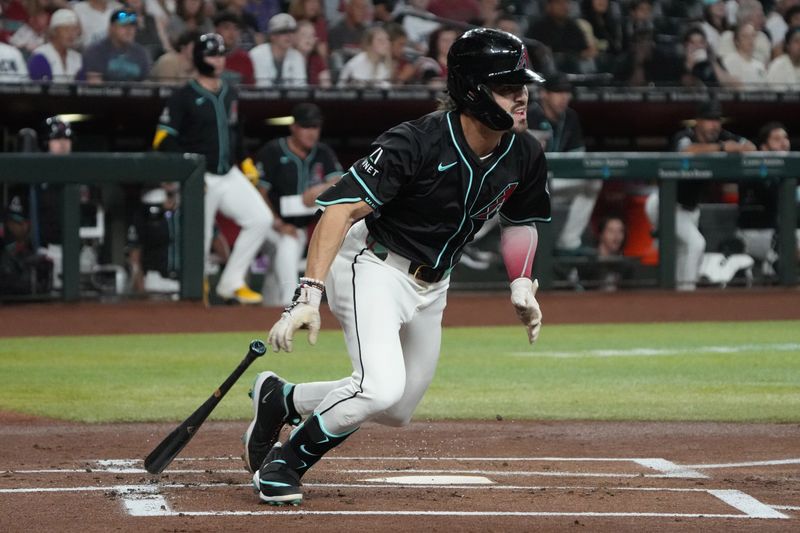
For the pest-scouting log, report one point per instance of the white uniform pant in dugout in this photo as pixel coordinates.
(392, 326)
(690, 243)
(235, 197)
(280, 280)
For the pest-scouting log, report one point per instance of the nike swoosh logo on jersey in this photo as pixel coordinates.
(199, 101)
(442, 167)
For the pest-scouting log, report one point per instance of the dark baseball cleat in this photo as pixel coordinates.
(270, 414)
(277, 484)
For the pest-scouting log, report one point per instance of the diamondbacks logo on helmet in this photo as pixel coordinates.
(524, 60)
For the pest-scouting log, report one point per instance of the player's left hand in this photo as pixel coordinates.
(303, 313)
(523, 298)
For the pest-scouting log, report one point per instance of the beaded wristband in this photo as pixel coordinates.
(311, 282)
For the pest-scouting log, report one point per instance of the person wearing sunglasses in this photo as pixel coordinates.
(117, 57)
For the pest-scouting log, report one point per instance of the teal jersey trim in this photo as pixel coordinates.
(525, 220)
(297, 162)
(223, 140)
(169, 130)
(466, 196)
(340, 201)
(510, 144)
(352, 170)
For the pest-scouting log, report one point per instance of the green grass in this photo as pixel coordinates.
(752, 375)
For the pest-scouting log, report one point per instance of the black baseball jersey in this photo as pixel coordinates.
(201, 122)
(566, 134)
(431, 193)
(157, 232)
(283, 173)
(690, 192)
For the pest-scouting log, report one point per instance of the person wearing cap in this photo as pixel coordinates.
(93, 16)
(277, 63)
(294, 170)
(238, 66)
(345, 37)
(57, 60)
(118, 57)
(705, 136)
(201, 117)
(558, 129)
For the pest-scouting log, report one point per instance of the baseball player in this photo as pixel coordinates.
(392, 230)
(294, 170)
(201, 117)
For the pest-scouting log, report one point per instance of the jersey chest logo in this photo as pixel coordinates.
(486, 212)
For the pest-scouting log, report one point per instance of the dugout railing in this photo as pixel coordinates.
(667, 169)
(69, 172)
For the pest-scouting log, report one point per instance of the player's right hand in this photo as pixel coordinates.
(523, 298)
(303, 313)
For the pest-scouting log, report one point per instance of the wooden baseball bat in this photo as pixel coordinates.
(171, 446)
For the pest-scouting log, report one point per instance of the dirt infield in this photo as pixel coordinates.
(496, 475)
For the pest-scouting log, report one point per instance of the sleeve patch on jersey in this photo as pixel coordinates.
(371, 199)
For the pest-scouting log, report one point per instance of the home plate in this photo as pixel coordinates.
(433, 480)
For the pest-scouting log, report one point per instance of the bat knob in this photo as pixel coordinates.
(258, 347)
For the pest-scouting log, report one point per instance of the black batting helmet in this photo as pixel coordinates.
(207, 45)
(55, 128)
(481, 57)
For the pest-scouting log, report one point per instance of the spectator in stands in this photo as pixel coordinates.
(750, 12)
(758, 203)
(94, 15)
(305, 42)
(12, 65)
(639, 19)
(57, 60)
(176, 66)
(118, 57)
(563, 36)
(490, 13)
(404, 70)
(262, 11)
(344, 38)
(418, 29)
(277, 63)
(706, 136)
(12, 16)
(251, 34)
(432, 68)
(793, 17)
(776, 24)
(609, 270)
(645, 64)
(461, 10)
(383, 11)
(784, 71)
(604, 22)
(311, 10)
(239, 68)
(154, 258)
(747, 72)
(558, 129)
(294, 170)
(700, 65)
(715, 22)
(373, 66)
(150, 33)
(33, 33)
(190, 15)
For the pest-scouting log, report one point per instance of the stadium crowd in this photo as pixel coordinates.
(741, 44)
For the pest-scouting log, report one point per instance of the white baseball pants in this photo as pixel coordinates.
(282, 277)
(581, 195)
(691, 245)
(234, 196)
(392, 327)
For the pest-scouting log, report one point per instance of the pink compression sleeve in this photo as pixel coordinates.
(518, 246)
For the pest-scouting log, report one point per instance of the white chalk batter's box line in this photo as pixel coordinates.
(655, 467)
(147, 501)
